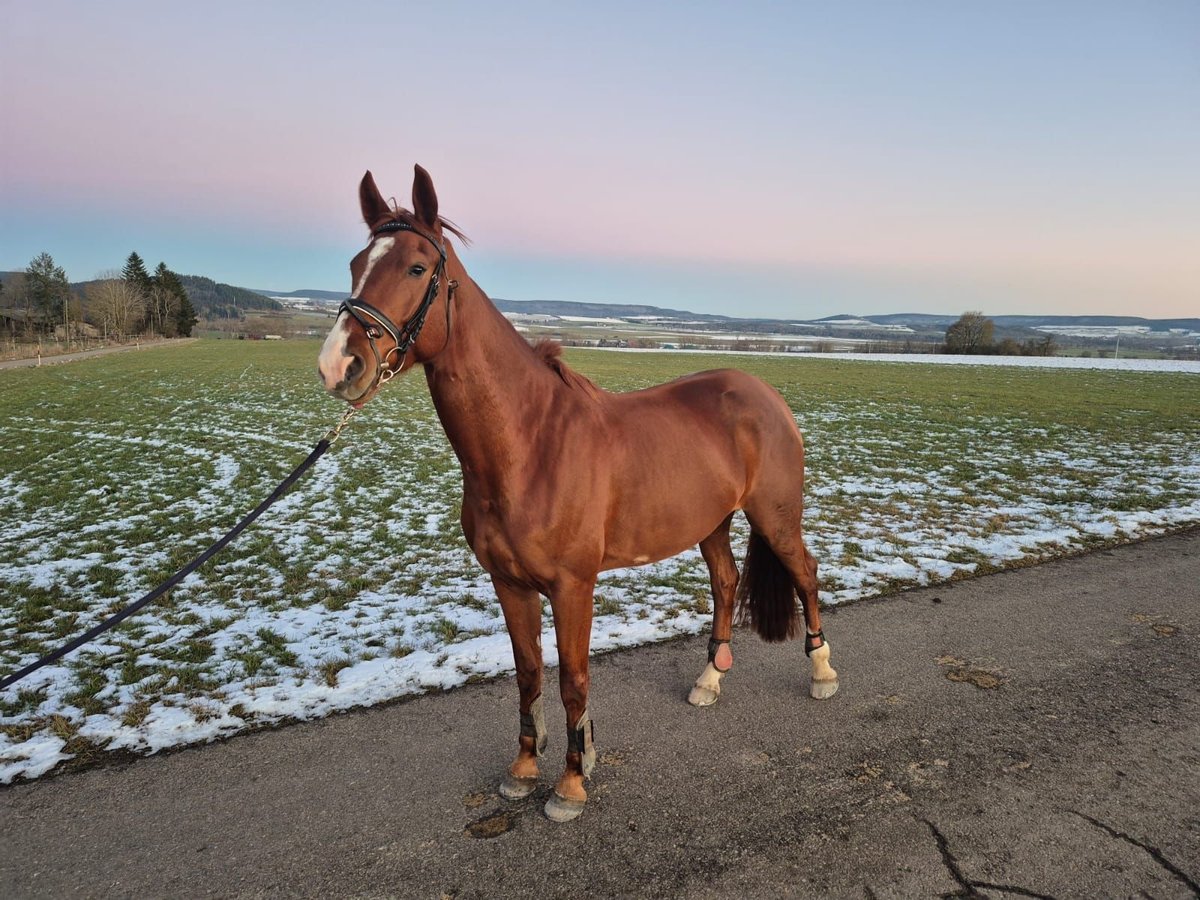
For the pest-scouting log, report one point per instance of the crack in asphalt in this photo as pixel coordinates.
(1157, 855)
(969, 887)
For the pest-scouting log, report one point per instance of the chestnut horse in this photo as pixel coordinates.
(562, 480)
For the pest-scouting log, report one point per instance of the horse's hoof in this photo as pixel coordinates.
(514, 788)
(703, 696)
(560, 809)
(823, 690)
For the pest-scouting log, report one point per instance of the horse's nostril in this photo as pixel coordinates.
(355, 368)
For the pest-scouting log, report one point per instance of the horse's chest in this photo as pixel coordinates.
(491, 540)
(513, 547)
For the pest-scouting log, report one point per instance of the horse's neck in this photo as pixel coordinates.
(488, 386)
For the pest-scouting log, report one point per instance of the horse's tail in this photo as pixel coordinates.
(766, 596)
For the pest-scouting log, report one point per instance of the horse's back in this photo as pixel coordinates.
(686, 454)
(720, 400)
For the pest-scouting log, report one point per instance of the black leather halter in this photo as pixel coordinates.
(375, 322)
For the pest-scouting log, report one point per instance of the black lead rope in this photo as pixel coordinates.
(318, 451)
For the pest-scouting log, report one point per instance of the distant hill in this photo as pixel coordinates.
(600, 310)
(223, 301)
(536, 307)
(912, 320)
(207, 295)
(1097, 321)
(212, 299)
(209, 298)
(925, 319)
(926, 324)
(327, 296)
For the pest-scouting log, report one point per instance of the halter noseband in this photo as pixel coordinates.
(373, 319)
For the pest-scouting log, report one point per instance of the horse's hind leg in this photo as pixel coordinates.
(824, 679)
(723, 573)
(523, 615)
(780, 527)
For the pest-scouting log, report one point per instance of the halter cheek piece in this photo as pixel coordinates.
(375, 322)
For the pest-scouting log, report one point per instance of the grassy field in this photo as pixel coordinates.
(358, 587)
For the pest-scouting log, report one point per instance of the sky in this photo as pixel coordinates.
(788, 159)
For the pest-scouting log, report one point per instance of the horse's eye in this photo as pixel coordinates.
(418, 269)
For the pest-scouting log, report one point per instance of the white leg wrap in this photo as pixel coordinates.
(824, 678)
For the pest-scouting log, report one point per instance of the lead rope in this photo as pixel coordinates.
(318, 451)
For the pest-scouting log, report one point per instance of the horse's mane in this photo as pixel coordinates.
(400, 213)
(550, 353)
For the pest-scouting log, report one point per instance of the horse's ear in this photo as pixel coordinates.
(425, 206)
(374, 207)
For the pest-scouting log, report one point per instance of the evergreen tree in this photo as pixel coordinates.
(135, 273)
(138, 278)
(175, 313)
(162, 302)
(47, 286)
(185, 318)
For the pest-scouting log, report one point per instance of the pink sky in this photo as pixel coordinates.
(862, 158)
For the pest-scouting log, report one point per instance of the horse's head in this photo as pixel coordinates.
(397, 278)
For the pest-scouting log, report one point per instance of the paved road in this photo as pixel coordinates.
(1034, 733)
(54, 360)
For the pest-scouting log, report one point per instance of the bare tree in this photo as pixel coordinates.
(17, 305)
(117, 303)
(164, 309)
(972, 333)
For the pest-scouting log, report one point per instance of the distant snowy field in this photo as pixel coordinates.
(1035, 362)
(358, 587)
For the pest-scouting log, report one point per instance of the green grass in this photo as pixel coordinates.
(116, 471)
(1080, 398)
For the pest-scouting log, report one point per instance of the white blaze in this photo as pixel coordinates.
(334, 358)
(379, 249)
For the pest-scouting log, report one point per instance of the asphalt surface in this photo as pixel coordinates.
(1034, 733)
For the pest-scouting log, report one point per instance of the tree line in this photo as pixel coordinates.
(132, 302)
(974, 333)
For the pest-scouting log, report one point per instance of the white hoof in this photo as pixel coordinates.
(708, 687)
(823, 690)
(703, 696)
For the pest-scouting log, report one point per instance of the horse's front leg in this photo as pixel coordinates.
(723, 574)
(572, 605)
(523, 616)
